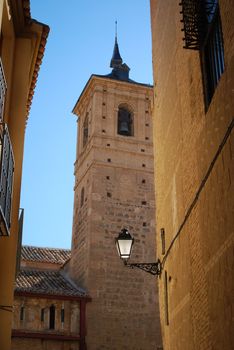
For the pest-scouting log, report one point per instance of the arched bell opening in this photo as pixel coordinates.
(125, 121)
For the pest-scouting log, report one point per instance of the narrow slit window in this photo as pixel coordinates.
(163, 240)
(166, 299)
(86, 130)
(22, 313)
(62, 315)
(42, 315)
(82, 197)
(52, 317)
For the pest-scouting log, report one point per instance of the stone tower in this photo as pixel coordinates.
(114, 188)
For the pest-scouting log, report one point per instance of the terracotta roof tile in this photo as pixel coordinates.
(40, 54)
(47, 282)
(50, 255)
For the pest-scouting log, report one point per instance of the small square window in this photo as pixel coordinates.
(108, 144)
(108, 194)
(143, 181)
(143, 202)
(143, 165)
(108, 177)
(109, 160)
(103, 117)
(147, 138)
(144, 224)
(142, 150)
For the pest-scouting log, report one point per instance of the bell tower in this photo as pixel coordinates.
(114, 188)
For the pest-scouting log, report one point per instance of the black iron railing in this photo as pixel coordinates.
(196, 16)
(6, 180)
(2, 90)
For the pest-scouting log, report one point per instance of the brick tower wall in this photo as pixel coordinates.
(116, 173)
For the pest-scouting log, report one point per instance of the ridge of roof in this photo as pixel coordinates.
(45, 254)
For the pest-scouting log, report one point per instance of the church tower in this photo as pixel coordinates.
(114, 188)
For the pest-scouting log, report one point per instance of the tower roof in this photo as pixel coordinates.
(116, 59)
(120, 70)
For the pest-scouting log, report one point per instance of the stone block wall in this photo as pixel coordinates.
(194, 170)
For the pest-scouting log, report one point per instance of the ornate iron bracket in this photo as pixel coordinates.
(152, 268)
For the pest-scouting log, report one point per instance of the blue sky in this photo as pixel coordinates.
(80, 43)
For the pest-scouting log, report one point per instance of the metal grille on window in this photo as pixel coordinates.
(213, 56)
(6, 180)
(203, 31)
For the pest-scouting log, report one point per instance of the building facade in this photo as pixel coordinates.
(22, 45)
(194, 167)
(114, 188)
(49, 308)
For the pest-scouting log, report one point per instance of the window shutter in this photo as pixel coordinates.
(6, 182)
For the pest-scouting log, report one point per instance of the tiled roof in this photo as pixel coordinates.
(50, 255)
(41, 49)
(47, 282)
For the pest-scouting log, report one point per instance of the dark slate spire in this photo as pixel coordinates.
(120, 70)
(116, 58)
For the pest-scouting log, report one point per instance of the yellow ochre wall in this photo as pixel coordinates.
(199, 265)
(20, 44)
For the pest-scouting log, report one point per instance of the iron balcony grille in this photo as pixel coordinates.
(213, 56)
(196, 16)
(6, 180)
(2, 90)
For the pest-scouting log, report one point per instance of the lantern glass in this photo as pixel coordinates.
(124, 244)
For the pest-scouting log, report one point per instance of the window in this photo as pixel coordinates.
(163, 240)
(6, 180)
(203, 31)
(166, 299)
(52, 317)
(22, 313)
(125, 122)
(62, 315)
(82, 197)
(42, 315)
(212, 55)
(85, 130)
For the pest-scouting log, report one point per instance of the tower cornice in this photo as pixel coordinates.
(95, 78)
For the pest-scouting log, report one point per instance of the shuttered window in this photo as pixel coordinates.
(6, 181)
